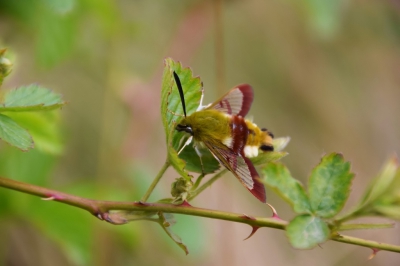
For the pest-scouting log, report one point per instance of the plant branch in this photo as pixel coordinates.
(344, 227)
(155, 181)
(101, 209)
(365, 243)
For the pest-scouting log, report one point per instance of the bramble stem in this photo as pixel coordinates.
(344, 227)
(102, 209)
(155, 181)
(365, 243)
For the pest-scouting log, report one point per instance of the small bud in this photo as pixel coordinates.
(5, 65)
(180, 188)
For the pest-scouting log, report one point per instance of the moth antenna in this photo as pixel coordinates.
(178, 83)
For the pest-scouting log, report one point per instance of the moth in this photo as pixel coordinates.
(232, 140)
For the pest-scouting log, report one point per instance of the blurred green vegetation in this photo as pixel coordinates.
(324, 73)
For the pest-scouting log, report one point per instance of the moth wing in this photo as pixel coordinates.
(240, 166)
(236, 102)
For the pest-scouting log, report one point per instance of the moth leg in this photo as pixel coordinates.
(189, 140)
(201, 161)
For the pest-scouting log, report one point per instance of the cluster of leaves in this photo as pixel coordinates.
(21, 108)
(328, 190)
(317, 209)
(329, 184)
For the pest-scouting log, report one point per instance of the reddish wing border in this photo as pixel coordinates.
(236, 102)
(240, 166)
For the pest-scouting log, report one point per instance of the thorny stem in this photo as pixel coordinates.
(155, 181)
(102, 209)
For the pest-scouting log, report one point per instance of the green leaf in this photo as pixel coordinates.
(177, 162)
(266, 157)
(192, 159)
(389, 210)
(30, 98)
(44, 128)
(171, 107)
(278, 177)
(329, 185)
(306, 231)
(166, 221)
(14, 134)
(382, 182)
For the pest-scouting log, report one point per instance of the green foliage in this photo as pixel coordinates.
(30, 98)
(329, 185)
(166, 220)
(278, 177)
(192, 159)
(382, 198)
(328, 190)
(19, 119)
(316, 209)
(306, 231)
(171, 107)
(14, 134)
(44, 127)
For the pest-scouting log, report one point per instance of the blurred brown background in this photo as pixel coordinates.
(325, 73)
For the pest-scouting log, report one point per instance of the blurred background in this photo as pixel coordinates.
(325, 73)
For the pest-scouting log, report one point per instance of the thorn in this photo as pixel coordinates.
(255, 228)
(49, 198)
(53, 197)
(245, 216)
(185, 203)
(100, 216)
(142, 203)
(374, 252)
(274, 213)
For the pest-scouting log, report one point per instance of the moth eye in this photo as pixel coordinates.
(185, 128)
(265, 147)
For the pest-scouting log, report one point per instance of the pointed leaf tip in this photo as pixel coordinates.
(166, 220)
(14, 134)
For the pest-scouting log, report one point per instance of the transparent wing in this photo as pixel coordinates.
(236, 102)
(240, 166)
